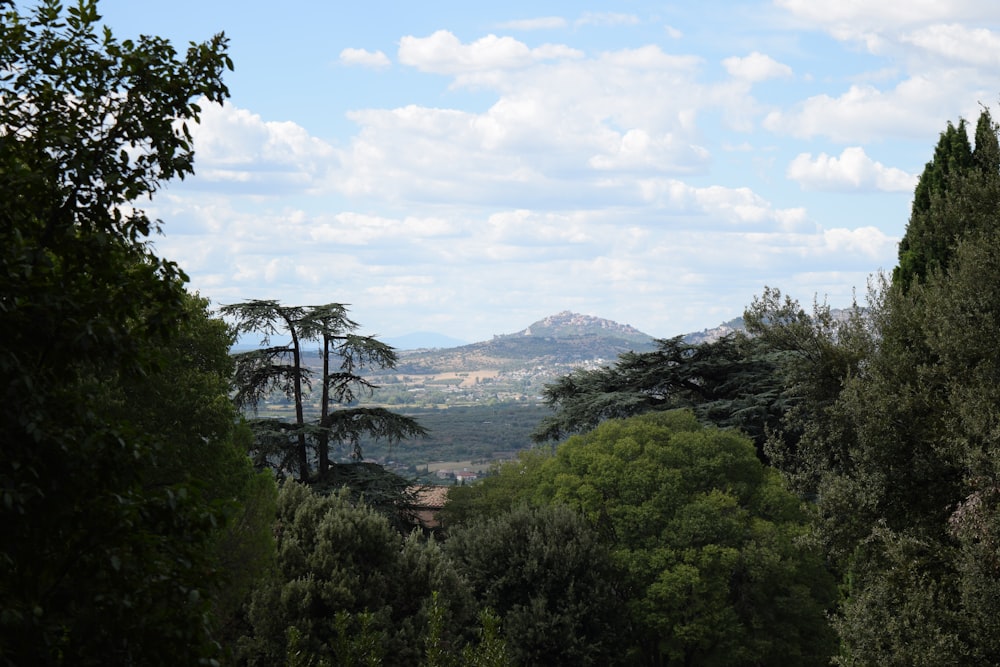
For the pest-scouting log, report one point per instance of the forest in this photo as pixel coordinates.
(815, 491)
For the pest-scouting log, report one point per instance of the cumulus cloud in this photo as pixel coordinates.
(364, 58)
(852, 171)
(238, 147)
(570, 174)
(975, 46)
(651, 57)
(868, 241)
(756, 67)
(637, 149)
(352, 228)
(864, 113)
(444, 53)
(721, 207)
(553, 122)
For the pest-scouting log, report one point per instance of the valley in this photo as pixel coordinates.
(480, 402)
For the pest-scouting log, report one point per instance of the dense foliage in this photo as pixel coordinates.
(137, 530)
(952, 197)
(124, 494)
(900, 448)
(732, 382)
(548, 576)
(705, 542)
(352, 588)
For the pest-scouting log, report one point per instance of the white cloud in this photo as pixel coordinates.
(975, 46)
(444, 53)
(756, 67)
(868, 241)
(889, 13)
(567, 172)
(352, 228)
(913, 108)
(554, 122)
(236, 146)
(721, 207)
(540, 23)
(637, 149)
(653, 58)
(853, 170)
(364, 58)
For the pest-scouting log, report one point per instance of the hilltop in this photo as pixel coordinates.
(560, 340)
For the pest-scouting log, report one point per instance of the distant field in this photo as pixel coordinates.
(458, 465)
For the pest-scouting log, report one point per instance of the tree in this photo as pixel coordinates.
(352, 588)
(548, 577)
(107, 556)
(706, 540)
(915, 517)
(203, 443)
(948, 200)
(512, 484)
(280, 368)
(814, 356)
(901, 452)
(729, 382)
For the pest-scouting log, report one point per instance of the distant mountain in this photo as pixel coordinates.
(567, 325)
(423, 340)
(558, 340)
(715, 333)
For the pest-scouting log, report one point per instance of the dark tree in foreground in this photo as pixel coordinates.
(107, 550)
(708, 547)
(279, 367)
(545, 572)
(348, 589)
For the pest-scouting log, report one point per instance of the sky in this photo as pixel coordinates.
(469, 168)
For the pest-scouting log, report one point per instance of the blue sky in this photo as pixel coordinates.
(469, 168)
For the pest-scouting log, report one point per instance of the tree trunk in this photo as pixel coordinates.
(324, 435)
(300, 420)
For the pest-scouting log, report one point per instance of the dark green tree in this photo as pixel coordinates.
(203, 444)
(280, 368)
(731, 382)
(951, 198)
(814, 355)
(512, 484)
(915, 516)
(108, 553)
(353, 589)
(905, 458)
(545, 572)
(707, 542)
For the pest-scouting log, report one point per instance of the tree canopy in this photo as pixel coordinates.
(113, 546)
(547, 575)
(706, 544)
(349, 589)
(729, 382)
(951, 198)
(280, 367)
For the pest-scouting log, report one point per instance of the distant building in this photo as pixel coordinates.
(429, 501)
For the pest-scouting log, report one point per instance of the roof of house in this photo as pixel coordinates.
(431, 497)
